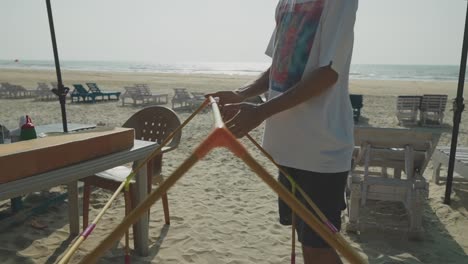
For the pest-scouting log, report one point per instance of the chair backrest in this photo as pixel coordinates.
(144, 89)
(42, 86)
(93, 88)
(356, 100)
(395, 139)
(408, 102)
(9, 87)
(132, 92)
(155, 123)
(199, 95)
(434, 102)
(79, 88)
(182, 93)
(13, 88)
(5, 84)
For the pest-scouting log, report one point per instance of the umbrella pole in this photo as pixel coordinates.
(61, 91)
(458, 108)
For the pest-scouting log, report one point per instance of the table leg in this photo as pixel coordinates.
(142, 225)
(73, 211)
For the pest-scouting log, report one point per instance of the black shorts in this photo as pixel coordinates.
(326, 190)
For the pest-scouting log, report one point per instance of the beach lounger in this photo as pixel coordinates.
(153, 123)
(152, 98)
(80, 94)
(44, 92)
(402, 150)
(182, 99)
(441, 158)
(141, 93)
(197, 99)
(93, 88)
(407, 109)
(17, 91)
(357, 104)
(132, 93)
(432, 109)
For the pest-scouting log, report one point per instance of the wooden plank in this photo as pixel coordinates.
(394, 138)
(31, 157)
(74, 172)
(409, 162)
(396, 155)
(389, 182)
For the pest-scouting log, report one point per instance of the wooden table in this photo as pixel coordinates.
(70, 174)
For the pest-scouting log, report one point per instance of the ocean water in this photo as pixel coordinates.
(358, 71)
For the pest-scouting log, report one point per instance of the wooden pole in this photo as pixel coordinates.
(138, 211)
(124, 184)
(222, 137)
(299, 209)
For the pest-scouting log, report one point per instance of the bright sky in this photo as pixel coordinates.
(386, 31)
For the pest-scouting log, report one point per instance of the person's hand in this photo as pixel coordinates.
(226, 97)
(242, 118)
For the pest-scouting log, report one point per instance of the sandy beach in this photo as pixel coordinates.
(221, 212)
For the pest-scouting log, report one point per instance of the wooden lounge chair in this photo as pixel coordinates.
(93, 88)
(357, 104)
(403, 150)
(432, 109)
(407, 109)
(153, 98)
(153, 123)
(182, 99)
(80, 94)
(441, 157)
(132, 93)
(141, 93)
(17, 91)
(44, 93)
(197, 99)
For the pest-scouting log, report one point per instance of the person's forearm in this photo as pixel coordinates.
(314, 84)
(257, 87)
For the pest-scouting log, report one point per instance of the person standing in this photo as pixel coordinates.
(309, 120)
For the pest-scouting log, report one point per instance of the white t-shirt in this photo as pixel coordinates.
(316, 135)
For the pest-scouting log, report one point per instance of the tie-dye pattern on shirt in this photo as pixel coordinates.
(296, 26)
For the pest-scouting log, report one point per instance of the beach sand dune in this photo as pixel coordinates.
(221, 212)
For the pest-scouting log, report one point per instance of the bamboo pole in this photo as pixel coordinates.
(323, 231)
(139, 210)
(66, 258)
(304, 195)
(291, 180)
(224, 138)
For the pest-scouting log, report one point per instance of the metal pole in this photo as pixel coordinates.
(61, 91)
(458, 108)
